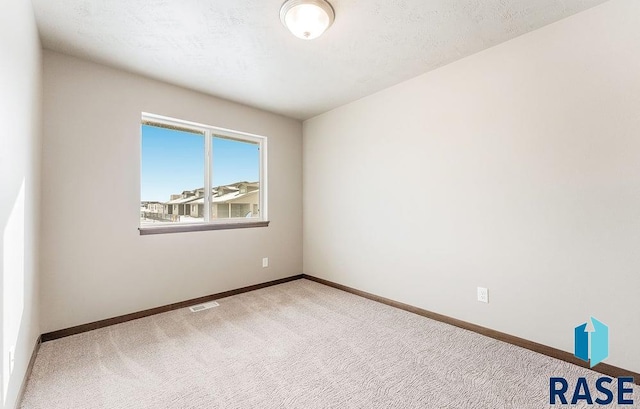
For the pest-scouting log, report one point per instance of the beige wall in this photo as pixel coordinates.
(20, 101)
(95, 265)
(517, 169)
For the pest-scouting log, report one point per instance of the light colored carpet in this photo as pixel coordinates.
(295, 345)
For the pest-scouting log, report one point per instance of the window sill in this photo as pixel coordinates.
(183, 228)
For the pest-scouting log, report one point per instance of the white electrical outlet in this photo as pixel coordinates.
(12, 358)
(483, 294)
(265, 262)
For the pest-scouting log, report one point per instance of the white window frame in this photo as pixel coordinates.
(209, 133)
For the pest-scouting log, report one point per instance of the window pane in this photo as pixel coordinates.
(172, 180)
(235, 179)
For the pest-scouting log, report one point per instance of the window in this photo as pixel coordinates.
(199, 177)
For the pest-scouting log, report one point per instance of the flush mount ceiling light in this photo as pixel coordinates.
(307, 19)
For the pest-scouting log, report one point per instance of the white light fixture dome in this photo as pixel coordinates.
(307, 19)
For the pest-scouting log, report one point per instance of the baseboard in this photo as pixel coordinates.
(23, 386)
(602, 368)
(50, 336)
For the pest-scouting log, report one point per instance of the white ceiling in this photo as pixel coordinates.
(239, 50)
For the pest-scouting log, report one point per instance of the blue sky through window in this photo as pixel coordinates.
(173, 161)
(235, 161)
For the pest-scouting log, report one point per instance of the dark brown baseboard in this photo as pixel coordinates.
(602, 368)
(23, 386)
(50, 336)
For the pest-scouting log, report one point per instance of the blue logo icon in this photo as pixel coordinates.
(592, 345)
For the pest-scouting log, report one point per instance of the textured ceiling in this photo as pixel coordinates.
(239, 50)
